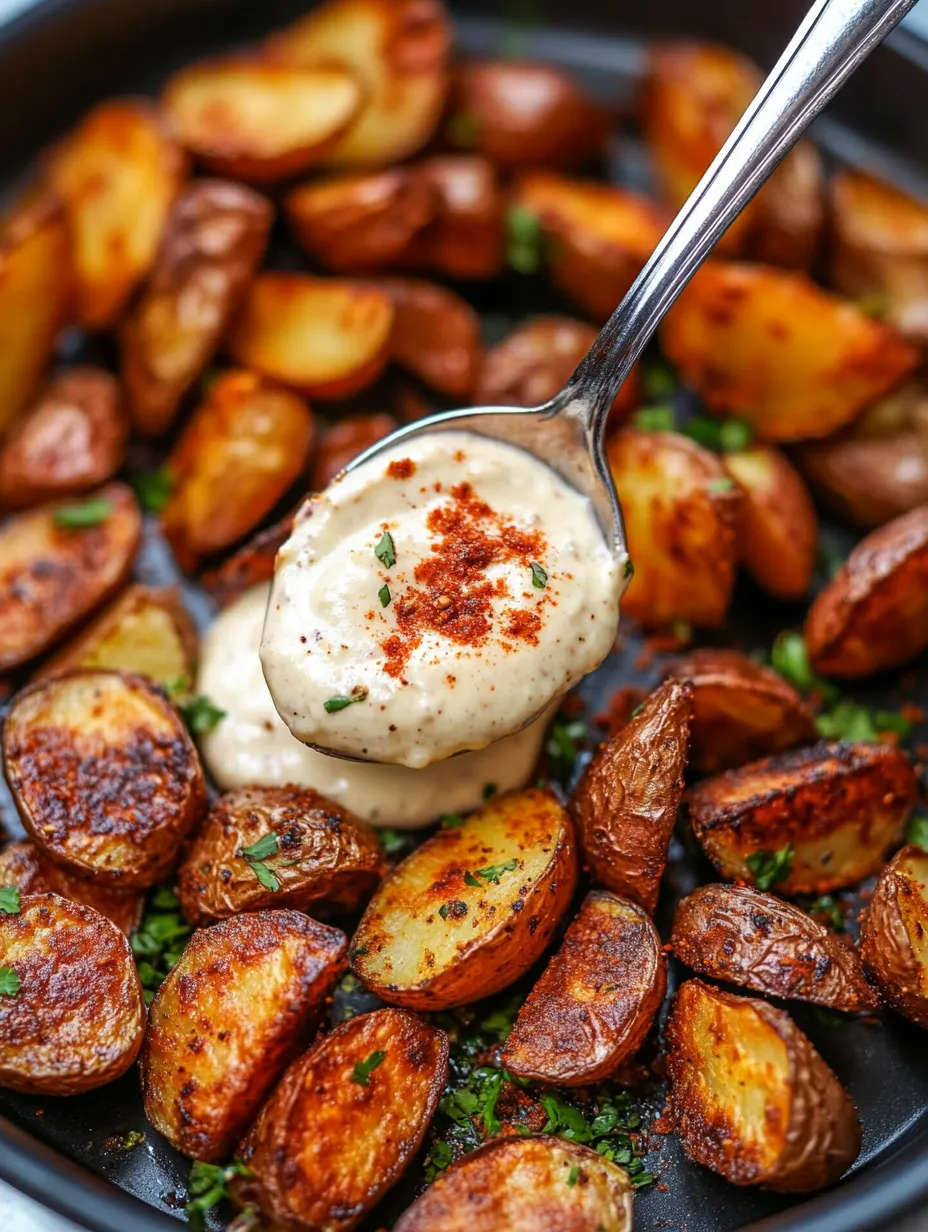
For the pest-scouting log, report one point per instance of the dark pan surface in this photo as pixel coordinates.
(55, 63)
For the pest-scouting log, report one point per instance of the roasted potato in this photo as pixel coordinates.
(72, 438)
(466, 237)
(24, 866)
(523, 1185)
(252, 564)
(789, 212)
(742, 936)
(597, 998)
(344, 1122)
(838, 807)
(77, 1017)
(324, 337)
(777, 525)
(226, 1021)
(247, 442)
(342, 442)
(472, 908)
(105, 777)
(57, 564)
(751, 1097)
(625, 805)
(681, 517)
(327, 858)
(436, 335)
(117, 173)
(776, 349)
(214, 239)
(873, 614)
(894, 933)
(741, 710)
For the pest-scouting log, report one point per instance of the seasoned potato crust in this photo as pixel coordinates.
(894, 933)
(78, 1017)
(227, 1020)
(23, 865)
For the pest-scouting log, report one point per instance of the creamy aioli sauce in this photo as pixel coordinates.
(252, 745)
(435, 600)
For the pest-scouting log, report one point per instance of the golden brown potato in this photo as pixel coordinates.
(398, 51)
(226, 1021)
(252, 564)
(72, 438)
(523, 1185)
(436, 335)
(873, 614)
(777, 525)
(77, 1018)
(105, 777)
(839, 807)
(57, 564)
(24, 866)
(117, 173)
(741, 710)
(472, 908)
(466, 237)
(789, 212)
(343, 441)
(681, 518)
(755, 940)
(625, 805)
(245, 445)
(894, 933)
(344, 1122)
(751, 1097)
(597, 998)
(319, 855)
(773, 347)
(214, 239)
(324, 337)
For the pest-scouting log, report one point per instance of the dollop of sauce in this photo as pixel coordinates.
(252, 745)
(435, 600)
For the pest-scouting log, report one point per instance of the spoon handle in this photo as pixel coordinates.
(835, 37)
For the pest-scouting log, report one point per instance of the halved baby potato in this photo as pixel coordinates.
(77, 1018)
(472, 908)
(105, 777)
(252, 564)
(790, 210)
(894, 933)
(465, 238)
(840, 807)
(227, 1020)
(345, 1122)
(751, 1097)
(24, 866)
(597, 998)
(745, 937)
(436, 335)
(343, 441)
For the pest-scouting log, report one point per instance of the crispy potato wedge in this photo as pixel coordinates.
(681, 516)
(398, 50)
(52, 576)
(328, 858)
(789, 211)
(324, 337)
(213, 241)
(344, 1122)
(625, 805)
(117, 173)
(597, 998)
(841, 807)
(72, 438)
(77, 1020)
(436, 335)
(252, 564)
(751, 1097)
(23, 865)
(742, 936)
(873, 614)
(894, 933)
(247, 442)
(466, 237)
(741, 710)
(522, 1184)
(778, 525)
(230, 1016)
(773, 347)
(343, 441)
(105, 777)
(472, 908)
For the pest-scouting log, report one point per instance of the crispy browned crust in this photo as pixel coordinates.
(842, 807)
(466, 237)
(343, 441)
(327, 1147)
(77, 1021)
(436, 335)
(328, 858)
(23, 865)
(738, 934)
(821, 1136)
(245, 996)
(597, 998)
(625, 805)
(897, 916)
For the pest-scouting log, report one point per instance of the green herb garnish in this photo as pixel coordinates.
(199, 713)
(208, 1186)
(721, 435)
(771, 867)
(848, 720)
(659, 381)
(573, 1175)
(494, 871)
(335, 704)
(917, 831)
(392, 841)
(93, 512)
(722, 484)
(10, 982)
(827, 905)
(629, 569)
(462, 130)
(384, 596)
(159, 940)
(524, 240)
(659, 418)
(471, 880)
(562, 745)
(451, 821)
(539, 576)
(256, 857)
(361, 1074)
(385, 551)
(489, 789)
(10, 900)
(790, 658)
(154, 489)
(455, 910)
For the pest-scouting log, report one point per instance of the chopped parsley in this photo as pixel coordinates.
(125, 1142)
(159, 940)
(257, 856)
(917, 831)
(93, 512)
(208, 1186)
(10, 900)
(10, 982)
(154, 488)
(629, 570)
(573, 1175)
(199, 713)
(539, 576)
(524, 240)
(471, 880)
(827, 905)
(494, 871)
(659, 381)
(462, 130)
(361, 1074)
(722, 484)
(334, 704)
(384, 595)
(562, 744)
(392, 841)
(848, 720)
(790, 658)
(658, 418)
(451, 821)
(455, 910)
(720, 435)
(771, 867)
(385, 551)
(489, 789)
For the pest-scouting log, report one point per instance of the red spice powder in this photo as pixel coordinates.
(401, 468)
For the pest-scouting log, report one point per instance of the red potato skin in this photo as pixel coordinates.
(886, 941)
(249, 565)
(23, 865)
(436, 335)
(343, 441)
(466, 238)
